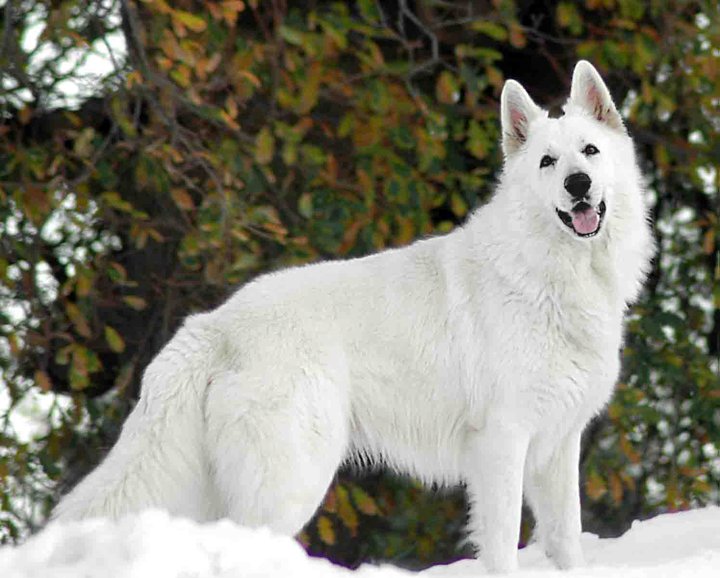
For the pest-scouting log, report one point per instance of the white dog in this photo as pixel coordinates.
(478, 356)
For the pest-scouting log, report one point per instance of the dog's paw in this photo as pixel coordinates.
(500, 565)
(566, 555)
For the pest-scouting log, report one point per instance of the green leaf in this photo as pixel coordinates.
(567, 16)
(305, 205)
(114, 340)
(369, 10)
(264, 146)
(491, 29)
(291, 35)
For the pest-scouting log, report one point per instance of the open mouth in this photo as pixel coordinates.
(584, 220)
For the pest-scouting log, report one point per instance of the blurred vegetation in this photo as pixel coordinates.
(228, 137)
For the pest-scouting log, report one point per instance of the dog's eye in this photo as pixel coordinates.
(546, 161)
(590, 150)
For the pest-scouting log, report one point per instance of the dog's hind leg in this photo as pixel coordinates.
(275, 440)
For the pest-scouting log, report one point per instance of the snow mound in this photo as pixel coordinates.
(155, 545)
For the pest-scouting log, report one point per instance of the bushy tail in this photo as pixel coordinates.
(158, 460)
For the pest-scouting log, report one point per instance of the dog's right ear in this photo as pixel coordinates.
(517, 111)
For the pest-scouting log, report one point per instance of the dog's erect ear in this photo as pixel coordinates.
(517, 110)
(589, 93)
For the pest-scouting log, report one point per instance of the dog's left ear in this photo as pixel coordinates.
(589, 92)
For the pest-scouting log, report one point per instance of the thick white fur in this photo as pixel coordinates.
(478, 356)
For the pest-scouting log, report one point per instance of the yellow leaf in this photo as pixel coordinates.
(276, 229)
(326, 530)
(250, 77)
(231, 9)
(79, 369)
(304, 539)
(310, 89)
(330, 503)
(228, 120)
(212, 63)
(566, 14)
(133, 78)
(350, 236)
(447, 89)
(346, 511)
(628, 450)
(169, 45)
(83, 145)
(425, 547)
(114, 340)
(517, 36)
(182, 199)
(628, 481)
(406, 231)
(616, 488)
(709, 242)
(83, 282)
(264, 146)
(305, 205)
(181, 75)
(231, 106)
(36, 203)
(42, 380)
(595, 487)
(495, 76)
(458, 205)
(78, 319)
(137, 303)
(364, 502)
(193, 22)
(25, 114)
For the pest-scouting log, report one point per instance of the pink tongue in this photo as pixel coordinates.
(586, 221)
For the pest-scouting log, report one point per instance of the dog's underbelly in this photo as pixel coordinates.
(409, 420)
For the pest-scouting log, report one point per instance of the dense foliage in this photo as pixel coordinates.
(226, 138)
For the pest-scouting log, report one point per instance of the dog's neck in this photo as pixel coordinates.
(550, 259)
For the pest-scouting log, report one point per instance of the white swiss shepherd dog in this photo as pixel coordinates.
(474, 357)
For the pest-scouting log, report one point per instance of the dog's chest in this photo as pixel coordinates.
(556, 353)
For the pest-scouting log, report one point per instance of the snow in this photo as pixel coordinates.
(155, 545)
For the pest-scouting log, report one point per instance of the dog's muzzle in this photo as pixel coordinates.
(584, 220)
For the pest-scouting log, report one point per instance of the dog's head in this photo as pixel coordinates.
(569, 163)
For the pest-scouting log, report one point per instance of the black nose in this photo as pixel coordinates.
(578, 184)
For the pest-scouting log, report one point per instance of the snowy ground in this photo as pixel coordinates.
(154, 545)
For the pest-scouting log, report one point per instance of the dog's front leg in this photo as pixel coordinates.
(495, 460)
(553, 490)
